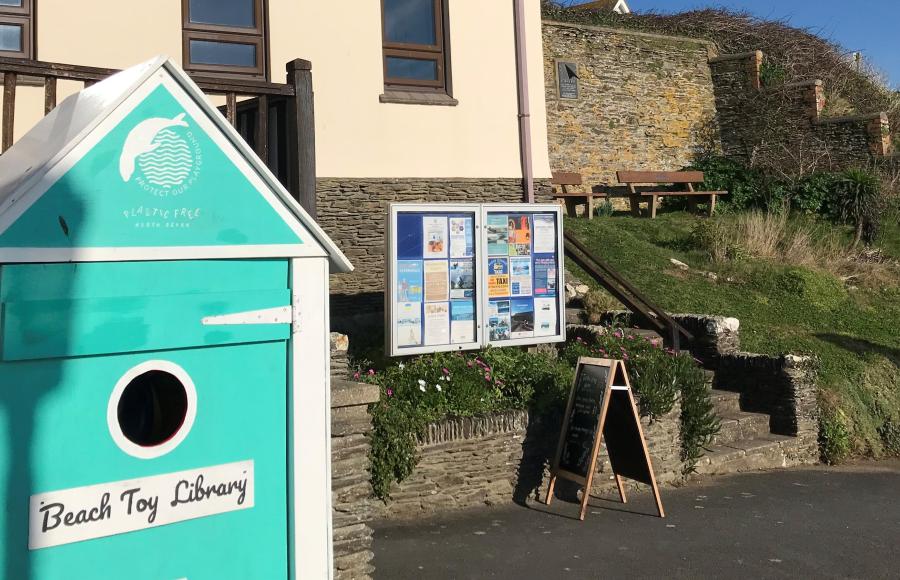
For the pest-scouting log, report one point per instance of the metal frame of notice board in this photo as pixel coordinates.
(405, 261)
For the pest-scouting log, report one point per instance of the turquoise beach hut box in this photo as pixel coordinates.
(164, 384)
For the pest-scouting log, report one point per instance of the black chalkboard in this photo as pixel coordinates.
(597, 400)
(583, 420)
(624, 441)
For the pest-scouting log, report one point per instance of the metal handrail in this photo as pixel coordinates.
(623, 291)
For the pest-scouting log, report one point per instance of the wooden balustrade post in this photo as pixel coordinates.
(8, 122)
(302, 136)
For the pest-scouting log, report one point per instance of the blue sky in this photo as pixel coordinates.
(870, 26)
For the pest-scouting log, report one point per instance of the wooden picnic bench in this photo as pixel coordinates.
(654, 178)
(563, 180)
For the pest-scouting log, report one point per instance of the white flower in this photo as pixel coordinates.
(422, 388)
(438, 387)
(401, 366)
(421, 383)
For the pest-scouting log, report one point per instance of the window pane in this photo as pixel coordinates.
(10, 37)
(411, 68)
(223, 12)
(16, 3)
(410, 21)
(223, 53)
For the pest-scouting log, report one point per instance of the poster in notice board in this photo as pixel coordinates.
(462, 277)
(524, 275)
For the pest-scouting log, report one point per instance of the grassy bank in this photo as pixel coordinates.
(807, 299)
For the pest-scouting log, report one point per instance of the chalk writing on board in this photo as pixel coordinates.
(583, 419)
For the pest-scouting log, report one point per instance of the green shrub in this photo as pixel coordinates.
(429, 388)
(714, 238)
(772, 74)
(857, 199)
(820, 289)
(834, 436)
(745, 186)
(605, 209)
(814, 194)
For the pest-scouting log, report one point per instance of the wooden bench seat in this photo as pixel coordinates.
(652, 178)
(573, 199)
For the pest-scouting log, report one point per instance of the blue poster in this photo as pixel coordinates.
(545, 277)
(409, 281)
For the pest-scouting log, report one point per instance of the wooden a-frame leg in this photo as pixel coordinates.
(549, 499)
(659, 506)
(584, 500)
(621, 487)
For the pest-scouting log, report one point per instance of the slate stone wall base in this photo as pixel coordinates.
(353, 505)
(353, 212)
(504, 458)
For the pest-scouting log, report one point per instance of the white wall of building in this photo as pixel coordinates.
(357, 136)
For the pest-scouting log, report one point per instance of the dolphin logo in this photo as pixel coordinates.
(140, 141)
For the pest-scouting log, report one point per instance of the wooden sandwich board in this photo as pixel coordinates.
(601, 407)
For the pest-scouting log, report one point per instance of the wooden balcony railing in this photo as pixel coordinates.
(277, 120)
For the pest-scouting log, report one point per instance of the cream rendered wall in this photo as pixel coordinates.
(357, 136)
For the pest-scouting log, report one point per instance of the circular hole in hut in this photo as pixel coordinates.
(152, 408)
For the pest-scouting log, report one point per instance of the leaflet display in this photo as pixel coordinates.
(523, 275)
(432, 301)
(461, 277)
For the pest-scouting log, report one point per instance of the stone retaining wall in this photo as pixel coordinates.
(789, 122)
(505, 458)
(784, 387)
(353, 505)
(646, 102)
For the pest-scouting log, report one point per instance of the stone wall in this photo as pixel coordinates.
(353, 505)
(505, 458)
(646, 102)
(790, 122)
(353, 212)
(783, 387)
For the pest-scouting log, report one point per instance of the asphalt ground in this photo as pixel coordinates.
(818, 522)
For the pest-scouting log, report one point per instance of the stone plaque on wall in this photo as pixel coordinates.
(567, 79)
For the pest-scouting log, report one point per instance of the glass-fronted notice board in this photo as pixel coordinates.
(461, 277)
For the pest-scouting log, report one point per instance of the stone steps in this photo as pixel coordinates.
(740, 426)
(765, 452)
(726, 402)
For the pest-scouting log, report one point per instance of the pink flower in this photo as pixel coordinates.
(487, 376)
(446, 372)
(469, 364)
(371, 372)
(390, 392)
(356, 375)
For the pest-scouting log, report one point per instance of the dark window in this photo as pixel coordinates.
(415, 44)
(16, 28)
(225, 36)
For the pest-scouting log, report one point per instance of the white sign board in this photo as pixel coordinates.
(109, 509)
(462, 277)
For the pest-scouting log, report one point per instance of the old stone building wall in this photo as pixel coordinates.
(646, 101)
